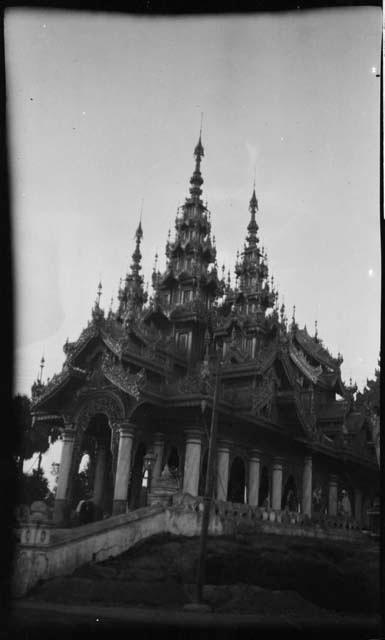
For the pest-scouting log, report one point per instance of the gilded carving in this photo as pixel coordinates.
(100, 403)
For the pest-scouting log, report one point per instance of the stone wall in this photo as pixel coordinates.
(45, 552)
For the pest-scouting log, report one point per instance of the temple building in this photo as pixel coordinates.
(136, 391)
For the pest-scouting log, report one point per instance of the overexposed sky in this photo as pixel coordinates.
(104, 111)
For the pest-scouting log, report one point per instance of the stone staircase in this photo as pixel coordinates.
(45, 552)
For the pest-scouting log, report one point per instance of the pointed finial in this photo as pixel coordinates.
(42, 361)
(316, 330)
(99, 293)
(293, 317)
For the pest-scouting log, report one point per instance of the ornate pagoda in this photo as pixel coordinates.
(139, 382)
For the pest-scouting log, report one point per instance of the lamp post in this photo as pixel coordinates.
(208, 491)
(148, 462)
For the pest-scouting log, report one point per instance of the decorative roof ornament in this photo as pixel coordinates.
(110, 312)
(99, 292)
(196, 179)
(316, 330)
(42, 362)
(97, 312)
(293, 317)
(252, 227)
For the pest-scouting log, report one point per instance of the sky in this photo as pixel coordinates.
(104, 113)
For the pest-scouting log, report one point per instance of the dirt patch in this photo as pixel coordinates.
(257, 574)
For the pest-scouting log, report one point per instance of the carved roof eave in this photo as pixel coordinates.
(155, 310)
(45, 416)
(308, 370)
(57, 384)
(339, 453)
(87, 335)
(283, 357)
(168, 276)
(316, 353)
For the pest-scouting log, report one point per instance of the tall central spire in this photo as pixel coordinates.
(252, 227)
(196, 179)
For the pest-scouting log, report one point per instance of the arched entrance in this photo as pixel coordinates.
(237, 481)
(263, 498)
(290, 495)
(93, 480)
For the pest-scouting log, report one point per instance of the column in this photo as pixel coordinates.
(192, 461)
(358, 506)
(123, 467)
(100, 474)
(277, 485)
(333, 496)
(253, 480)
(223, 463)
(307, 486)
(61, 506)
(158, 449)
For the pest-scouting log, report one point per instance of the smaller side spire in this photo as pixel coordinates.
(97, 312)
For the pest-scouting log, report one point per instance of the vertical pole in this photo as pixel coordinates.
(208, 493)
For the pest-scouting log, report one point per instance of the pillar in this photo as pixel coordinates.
(333, 496)
(307, 486)
(276, 501)
(123, 467)
(253, 479)
(158, 448)
(62, 491)
(358, 506)
(192, 461)
(100, 474)
(223, 463)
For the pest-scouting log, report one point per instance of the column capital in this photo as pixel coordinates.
(333, 479)
(224, 445)
(158, 438)
(308, 459)
(126, 428)
(255, 454)
(278, 462)
(68, 421)
(193, 435)
(68, 434)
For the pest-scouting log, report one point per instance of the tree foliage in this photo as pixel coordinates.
(34, 487)
(30, 437)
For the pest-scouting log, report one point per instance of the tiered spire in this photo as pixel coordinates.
(132, 296)
(252, 227)
(251, 268)
(97, 312)
(196, 179)
(188, 275)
